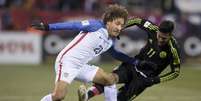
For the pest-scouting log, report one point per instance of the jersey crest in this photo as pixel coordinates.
(163, 54)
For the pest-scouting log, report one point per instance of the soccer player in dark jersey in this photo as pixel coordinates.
(161, 49)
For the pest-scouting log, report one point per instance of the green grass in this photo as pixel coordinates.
(31, 82)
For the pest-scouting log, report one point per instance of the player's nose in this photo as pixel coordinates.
(119, 28)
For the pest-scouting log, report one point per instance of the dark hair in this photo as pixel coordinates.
(113, 12)
(166, 26)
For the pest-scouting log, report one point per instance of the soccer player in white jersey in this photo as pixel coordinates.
(95, 37)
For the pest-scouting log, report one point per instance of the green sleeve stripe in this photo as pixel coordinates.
(153, 27)
(176, 63)
(171, 76)
(176, 58)
(140, 22)
(133, 97)
(134, 21)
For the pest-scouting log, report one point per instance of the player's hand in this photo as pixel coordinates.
(151, 81)
(40, 26)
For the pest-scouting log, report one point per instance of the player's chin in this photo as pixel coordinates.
(116, 34)
(161, 43)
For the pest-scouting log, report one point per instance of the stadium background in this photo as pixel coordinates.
(27, 55)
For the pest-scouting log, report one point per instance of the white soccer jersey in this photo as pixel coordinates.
(85, 46)
(71, 63)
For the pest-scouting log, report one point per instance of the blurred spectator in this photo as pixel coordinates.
(47, 4)
(89, 5)
(5, 3)
(122, 2)
(168, 6)
(2, 3)
(155, 15)
(7, 21)
(16, 3)
(96, 6)
(70, 5)
(29, 4)
(54, 9)
(0, 24)
(182, 26)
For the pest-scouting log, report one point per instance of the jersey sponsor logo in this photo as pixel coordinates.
(163, 54)
(98, 49)
(85, 22)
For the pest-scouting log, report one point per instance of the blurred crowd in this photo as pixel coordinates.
(18, 14)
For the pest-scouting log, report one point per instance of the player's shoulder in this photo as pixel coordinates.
(173, 39)
(93, 24)
(175, 44)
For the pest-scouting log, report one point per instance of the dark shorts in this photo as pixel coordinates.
(127, 75)
(124, 72)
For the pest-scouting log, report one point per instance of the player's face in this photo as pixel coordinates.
(114, 27)
(162, 38)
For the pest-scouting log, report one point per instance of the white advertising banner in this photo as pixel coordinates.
(20, 48)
